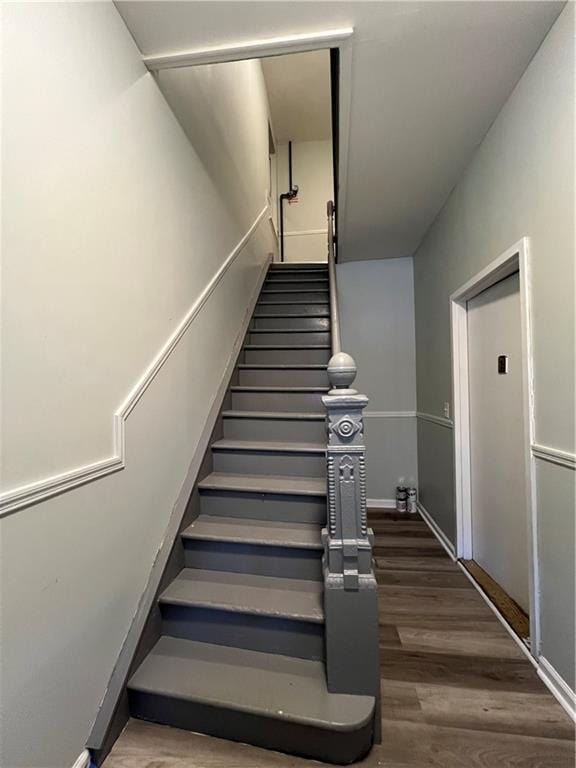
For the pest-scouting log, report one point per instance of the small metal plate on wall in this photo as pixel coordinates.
(502, 363)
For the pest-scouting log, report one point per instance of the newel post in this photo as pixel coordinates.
(350, 595)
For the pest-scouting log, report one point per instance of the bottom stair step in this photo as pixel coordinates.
(264, 699)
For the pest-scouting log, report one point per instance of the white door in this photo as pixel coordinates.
(498, 494)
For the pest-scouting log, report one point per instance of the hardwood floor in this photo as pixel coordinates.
(457, 692)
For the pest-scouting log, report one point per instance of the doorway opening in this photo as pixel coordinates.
(493, 434)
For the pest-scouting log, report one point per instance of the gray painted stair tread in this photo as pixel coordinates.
(260, 347)
(288, 330)
(282, 367)
(239, 531)
(284, 415)
(290, 316)
(270, 685)
(307, 486)
(278, 389)
(246, 593)
(268, 445)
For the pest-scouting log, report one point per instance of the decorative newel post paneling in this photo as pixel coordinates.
(350, 598)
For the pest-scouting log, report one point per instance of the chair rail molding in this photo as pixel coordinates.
(554, 455)
(390, 414)
(35, 492)
(441, 421)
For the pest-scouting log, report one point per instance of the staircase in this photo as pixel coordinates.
(241, 647)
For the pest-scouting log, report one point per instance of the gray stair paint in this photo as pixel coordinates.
(278, 398)
(265, 425)
(289, 294)
(303, 336)
(288, 353)
(265, 699)
(241, 626)
(269, 458)
(285, 322)
(283, 616)
(276, 375)
(291, 308)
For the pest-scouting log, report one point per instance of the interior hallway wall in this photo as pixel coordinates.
(305, 221)
(376, 301)
(520, 183)
(114, 224)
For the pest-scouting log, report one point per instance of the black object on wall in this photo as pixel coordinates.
(335, 101)
(290, 195)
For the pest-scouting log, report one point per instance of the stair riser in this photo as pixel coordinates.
(288, 278)
(320, 284)
(302, 267)
(278, 308)
(291, 377)
(277, 401)
(262, 463)
(277, 294)
(289, 323)
(271, 507)
(275, 429)
(284, 337)
(327, 745)
(302, 639)
(288, 356)
(260, 560)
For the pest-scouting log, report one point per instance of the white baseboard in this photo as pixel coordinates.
(381, 503)
(438, 532)
(558, 687)
(83, 760)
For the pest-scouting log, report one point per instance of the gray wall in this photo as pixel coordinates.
(117, 228)
(377, 315)
(520, 183)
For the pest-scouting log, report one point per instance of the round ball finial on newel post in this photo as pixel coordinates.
(341, 374)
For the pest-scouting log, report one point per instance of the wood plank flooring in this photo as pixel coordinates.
(457, 692)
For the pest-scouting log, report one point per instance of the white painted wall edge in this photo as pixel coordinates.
(304, 232)
(433, 419)
(83, 760)
(250, 49)
(557, 686)
(437, 531)
(390, 414)
(121, 669)
(24, 496)
(554, 455)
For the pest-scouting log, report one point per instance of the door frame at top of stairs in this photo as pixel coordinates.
(338, 42)
(514, 259)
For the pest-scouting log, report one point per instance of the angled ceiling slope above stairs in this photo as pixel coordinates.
(427, 81)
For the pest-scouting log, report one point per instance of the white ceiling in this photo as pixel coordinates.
(427, 80)
(298, 88)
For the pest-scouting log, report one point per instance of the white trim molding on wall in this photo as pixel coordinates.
(557, 686)
(554, 456)
(83, 760)
(24, 496)
(514, 259)
(249, 49)
(441, 421)
(390, 414)
(437, 531)
(304, 232)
